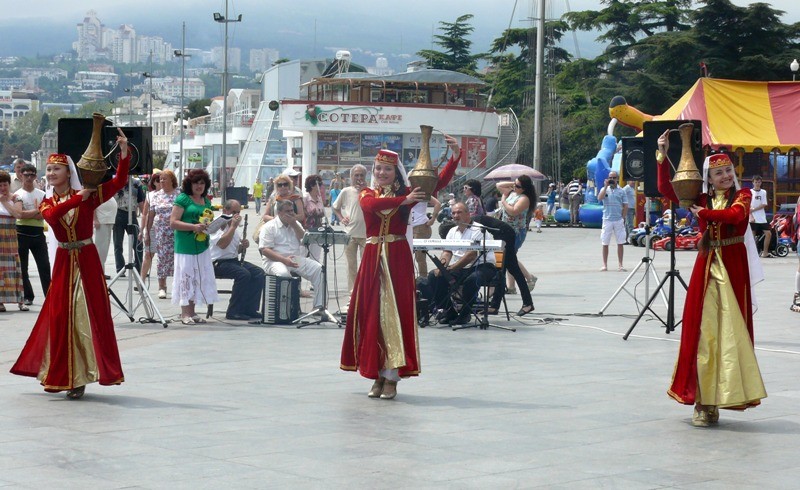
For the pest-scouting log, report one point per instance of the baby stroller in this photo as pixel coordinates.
(775, 247)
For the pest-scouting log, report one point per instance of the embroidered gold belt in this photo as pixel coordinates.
(726, 241)
(74, 245)
(385, 238)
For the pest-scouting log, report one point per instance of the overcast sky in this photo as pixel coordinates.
(298, 29)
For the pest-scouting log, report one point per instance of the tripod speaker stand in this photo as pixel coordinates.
(145, 300)
(649, 270)
(670, 276)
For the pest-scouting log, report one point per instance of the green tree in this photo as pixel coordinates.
(626, 21)
(745, 43)
(456, 55)
(44, 124)
(159, 158)
(197, 108)
(511, 74)
(654, 56)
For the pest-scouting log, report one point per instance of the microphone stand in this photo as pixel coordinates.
(135, 281)
(483, 320)
(670, 277)
(322, 311)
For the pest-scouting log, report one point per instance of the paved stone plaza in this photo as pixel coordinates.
(563, 402)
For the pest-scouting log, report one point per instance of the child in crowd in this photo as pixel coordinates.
(538, 217)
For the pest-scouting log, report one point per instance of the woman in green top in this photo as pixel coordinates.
(194, 274)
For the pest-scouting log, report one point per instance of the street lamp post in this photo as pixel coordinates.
(130, 105)
(150, 97)
(794, 66)
(223, 180)
(182, 54)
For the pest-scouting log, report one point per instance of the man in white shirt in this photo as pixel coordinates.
(30, 232)
(18, 179)
(282, 252)
(422, 228)
(462, 266)
(758, 217)
(348, 210)
(248, 279)
(630, 196)
(105, 215)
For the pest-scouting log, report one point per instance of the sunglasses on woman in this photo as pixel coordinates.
(282, 184)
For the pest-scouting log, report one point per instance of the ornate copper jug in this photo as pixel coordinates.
(424, 175)
(92, 166)
(687, 181)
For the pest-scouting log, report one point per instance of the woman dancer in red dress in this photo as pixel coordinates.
(716, 365)
(381, 340)
(73, 343)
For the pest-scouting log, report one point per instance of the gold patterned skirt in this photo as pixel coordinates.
(10, 271)
(727, 371)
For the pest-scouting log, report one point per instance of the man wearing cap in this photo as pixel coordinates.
(551, 198)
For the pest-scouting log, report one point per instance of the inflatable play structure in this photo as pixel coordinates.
(754, 121)
(598, 168)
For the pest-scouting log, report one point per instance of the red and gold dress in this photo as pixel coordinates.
(716, 363)
(381, 330)
(73, 342)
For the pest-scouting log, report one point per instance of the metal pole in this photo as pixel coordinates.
(130, 97)
(223, 181)
(558, 140)
(150, 105)
(183, 82)
(537, 104)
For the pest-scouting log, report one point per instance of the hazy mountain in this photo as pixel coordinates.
(312, 28)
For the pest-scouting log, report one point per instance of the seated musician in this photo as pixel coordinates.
(248, 279)
(503, 231)
(465, 267)
(281, 250)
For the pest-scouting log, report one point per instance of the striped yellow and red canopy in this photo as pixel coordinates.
(746, 115)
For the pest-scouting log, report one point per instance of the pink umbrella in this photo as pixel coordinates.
(512, 171)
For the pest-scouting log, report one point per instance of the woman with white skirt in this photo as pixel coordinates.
(194, 274)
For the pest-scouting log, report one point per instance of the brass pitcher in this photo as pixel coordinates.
(92, 166)
(687, 181)
(424, 175)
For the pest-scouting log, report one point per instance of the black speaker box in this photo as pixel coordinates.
(140, 143)
(632, 158)
(74, 135)
(238, 193)
(652, 131)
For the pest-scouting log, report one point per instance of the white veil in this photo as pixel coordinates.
(753, 260)
(74, 183)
